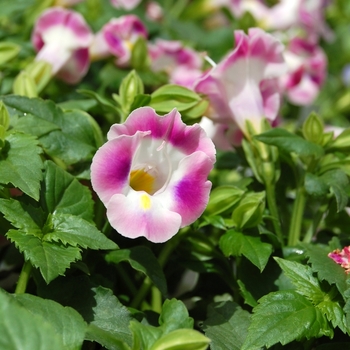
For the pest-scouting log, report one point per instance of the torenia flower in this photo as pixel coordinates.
(243, 86)
(117, 38)
(62, 39)
(66, 3)
(152, 173)
(307, 64)
(342, 257)
(125, 4)
(182, 64)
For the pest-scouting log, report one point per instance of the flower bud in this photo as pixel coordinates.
(130, 87)
(185, 339)
(139, 54)
(249, 211)
(313, 129)
(4, 116)
(41, 72)
(24, 85)
(8, 51)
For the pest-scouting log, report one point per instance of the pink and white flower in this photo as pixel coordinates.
(62, 38)
(117, 38)
(125, 4)
(182, 64)
(341, 257)
(307, 69)
(244, 85)
(152, 173)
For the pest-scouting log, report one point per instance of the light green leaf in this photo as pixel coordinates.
(334, 313)
(226, 325)
(20, 163)
(8, 51)
(61, 193)
(51, 258)
(74, 231)
(302, 278)
(237, 243)
(20, 329)
(289, 142)
(282, 317)
(66, 321)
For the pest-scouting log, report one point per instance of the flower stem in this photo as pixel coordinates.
(271, 202)
(297, 217)
(162, 259)
(315, 223)
(24, 278)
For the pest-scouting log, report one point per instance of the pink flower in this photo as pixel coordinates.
(152, 174)
(341, 257)
(182, 64)
(243, 86)
(307, 68)
(62, 38)
(125, 4)
(117, 38)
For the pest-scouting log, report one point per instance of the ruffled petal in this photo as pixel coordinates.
(170, 127)
(140, 215)
(188, 191)
(111, 165)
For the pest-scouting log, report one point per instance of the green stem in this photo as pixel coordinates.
(24, 278)
(315, 223)
(271, 202)
(162, 259)
(297, 217)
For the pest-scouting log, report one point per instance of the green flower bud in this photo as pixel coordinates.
(182, 339)
(130, 87)
(250, 210)
(24, 85)
(41, 72)
(139, 54)
(8, 51)
(223, 198)
(313, 129)
(4, 116)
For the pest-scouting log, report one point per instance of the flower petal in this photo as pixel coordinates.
(170, 127)
(139, 214)
(111, 164)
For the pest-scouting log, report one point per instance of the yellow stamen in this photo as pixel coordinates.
(145, 201)
(141, 181)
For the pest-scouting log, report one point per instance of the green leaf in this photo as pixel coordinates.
(66, 321)
(223, 198)
(282, 317)
(21, 165)
(174, 316)
(104, 102)
(61, 193)
(140, 101)
(334, 313)
(315, 186)
(141, 259)
(302, 278)
(237, 243)
(110, 324)
(23, 216)
(144, 336)
(51, 258)
(20, 329)
(226, 325)
(325, 267)
(289, 142)
(74, 231)
(69, 136)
